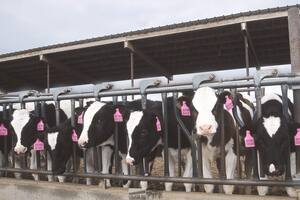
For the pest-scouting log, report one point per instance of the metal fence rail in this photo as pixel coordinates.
(261, 79)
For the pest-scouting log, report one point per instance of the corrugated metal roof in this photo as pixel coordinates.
(196, 46)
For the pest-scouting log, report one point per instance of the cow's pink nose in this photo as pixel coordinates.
(205, 127)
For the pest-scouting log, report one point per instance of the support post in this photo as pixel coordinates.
(294, 39)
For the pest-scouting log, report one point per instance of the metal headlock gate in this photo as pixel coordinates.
(262, 78)
(143, 87)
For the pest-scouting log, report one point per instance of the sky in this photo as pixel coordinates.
(26, 24)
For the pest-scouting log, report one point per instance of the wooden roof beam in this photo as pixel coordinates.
(66, 69)
(148, 60)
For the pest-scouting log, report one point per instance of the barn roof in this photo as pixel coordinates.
(196, 46)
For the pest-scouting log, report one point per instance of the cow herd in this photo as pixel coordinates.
(141, 136)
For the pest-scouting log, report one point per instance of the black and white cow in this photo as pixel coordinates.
(208, 104)
(273, 136)
(24, 124)
(98, 130)
(60, 143)
(145, 131)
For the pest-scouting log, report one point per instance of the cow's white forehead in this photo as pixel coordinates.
(52, 140)
(88, 118)
(20, 119)
(134, 119)
(204, 99)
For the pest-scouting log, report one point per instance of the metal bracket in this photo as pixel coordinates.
(60, 92)
(25, 94)
(148, 83)
(199, 79)
(100, 87)
(262, 74)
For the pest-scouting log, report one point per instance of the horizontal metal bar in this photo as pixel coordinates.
(295, 183)
(164, 88)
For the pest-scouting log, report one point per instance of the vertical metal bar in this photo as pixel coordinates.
(166, 133)
(285, 108)
(81, 103)
(10, 112)
(294, 40)
(237, 135)
(38, 155)
(57, 108)
(222, 145)
(43, 115)
(116, 138)
(187, 134)
(5, 119)
(179, 149)
(74, 146)
(132, 70)
(98, 151)
(253, 150)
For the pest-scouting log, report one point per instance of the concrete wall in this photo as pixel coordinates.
(12, 189)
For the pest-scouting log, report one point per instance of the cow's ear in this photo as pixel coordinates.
(222, 96)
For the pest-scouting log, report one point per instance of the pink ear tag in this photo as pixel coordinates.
(228, 103)
(74, 136)
(80, 119)
(185, 110)
(158, 125)
(3, 130)
(40, 126)
(118, 116)
(249, 140)
(297, 138)
(38, 145)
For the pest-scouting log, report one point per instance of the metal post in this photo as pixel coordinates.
(5, 118)
(116, 137)
(179, 149)
(48, 78)
(166, 133)
(73, 123)
(294, 39)
(38, 155)
(285, 108)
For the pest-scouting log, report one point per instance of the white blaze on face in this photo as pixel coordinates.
(272, 168)
(134, 120)
(52, 140)
(20, 119)
(204, 101)
(271, 125)
(87, 120)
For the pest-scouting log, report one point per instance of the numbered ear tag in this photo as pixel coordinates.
(249, 140)
(118, 116)
(38, 145)
(3, 130)
(185, 110)
(80, 119)
(297, 138)
(228, 103)
(40, 126)
(158, 125)
(74, 136)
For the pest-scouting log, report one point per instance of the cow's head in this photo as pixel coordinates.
(208, 104)
(60, 144)
(24, 125)
(273, 134)
(5, 125)
(99, 124)
(143, 134)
